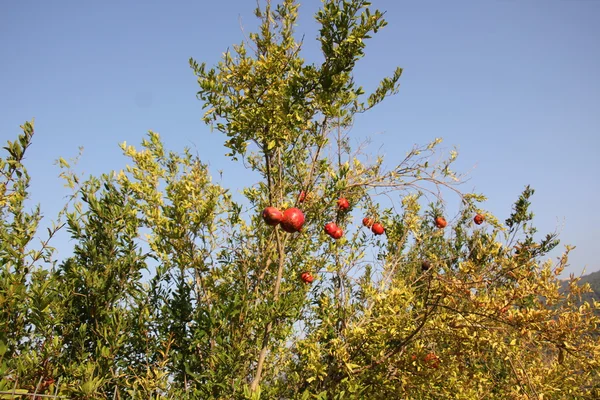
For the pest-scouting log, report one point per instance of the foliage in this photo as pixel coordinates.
(593, 280)
(175, 290)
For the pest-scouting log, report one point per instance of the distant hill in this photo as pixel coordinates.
(594, 280)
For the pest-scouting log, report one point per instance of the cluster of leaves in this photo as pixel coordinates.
(175, 290)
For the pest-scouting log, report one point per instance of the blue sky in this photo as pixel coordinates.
(513, 84)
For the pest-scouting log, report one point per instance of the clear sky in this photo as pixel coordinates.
(514, 84)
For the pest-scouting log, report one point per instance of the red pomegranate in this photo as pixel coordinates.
(330, 227)
(377, 228)
(272, 216)
(432, 360)
(343, 204)
(292, 221)
(368, 222)
(302, 197)
(307, 277)
(440, 222)
(479, 219)
(338, 233)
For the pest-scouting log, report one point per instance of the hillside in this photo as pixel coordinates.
(594, 280)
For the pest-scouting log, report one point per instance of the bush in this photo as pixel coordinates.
(175, 290)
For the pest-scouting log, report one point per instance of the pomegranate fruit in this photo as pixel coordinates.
(330, 227)
(337, 233)
(307, 277)
(432, 360)
(425, 265)
(272, 216)
(292, 220)
(479, 219)
(377, 228)
(343, 204)
(440, 222)
(302, 197)
(368, 222)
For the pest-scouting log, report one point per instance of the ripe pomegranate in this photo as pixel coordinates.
(307, 277)
(302, 197)
(343, 204)
(440, 222)
(478, 219)
(425, 265)
(377, 228)
(368, 222)
(338, 233)
(272, 216)
(292, 221)
(330, 227)
(432, 360)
